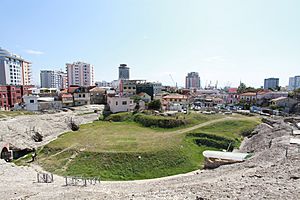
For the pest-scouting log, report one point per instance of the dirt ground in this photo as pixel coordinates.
(18, 130)
(273, 172)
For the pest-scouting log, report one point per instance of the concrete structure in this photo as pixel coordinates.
(294, 83)
(123, 72)
(214, 159)
(192, 81)
(120, 104)
(127, 87)
(37, 103)
(14, 69)
(81, 74)
(271, 83)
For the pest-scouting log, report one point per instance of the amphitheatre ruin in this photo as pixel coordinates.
(272, 171)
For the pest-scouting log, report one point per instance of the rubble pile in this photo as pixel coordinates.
(31, 131)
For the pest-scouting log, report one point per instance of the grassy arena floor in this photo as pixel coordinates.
(128, 151)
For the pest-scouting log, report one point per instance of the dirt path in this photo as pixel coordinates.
(201, 125)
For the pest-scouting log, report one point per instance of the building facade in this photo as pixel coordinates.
(192, 81)
(271, 83)
(123, 72)
(3, 98)
(14, 69)
(103, 84)
(81, 74)
(294, 83)
(53, 79)
(26, 75)
(151, 89)
(120, 104)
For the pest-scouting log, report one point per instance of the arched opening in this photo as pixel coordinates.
(5, 154)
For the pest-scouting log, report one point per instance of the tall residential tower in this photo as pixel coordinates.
(81, 74)
(53, 79)
(14, 69)
(271, 83)
(192, 81)
(294, 83)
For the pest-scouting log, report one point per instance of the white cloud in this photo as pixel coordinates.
(34, 52)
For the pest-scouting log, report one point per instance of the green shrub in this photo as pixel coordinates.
(119, 117)
(154, 105)
(159, 121)
(210, 140)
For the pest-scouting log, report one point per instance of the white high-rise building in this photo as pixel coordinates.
(14, 69)
(53, 79)
(81, 74)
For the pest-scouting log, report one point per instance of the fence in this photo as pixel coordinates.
(44, 178)
(81, 181)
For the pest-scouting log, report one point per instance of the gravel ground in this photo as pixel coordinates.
(269, 174)
(18, 130)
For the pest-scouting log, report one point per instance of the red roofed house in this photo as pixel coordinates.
(248, 96)
(171, 99)
(233, 96)
(67, 99)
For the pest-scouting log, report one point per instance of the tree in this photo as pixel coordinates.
(241, 89)
(154, 105)
(136, 98)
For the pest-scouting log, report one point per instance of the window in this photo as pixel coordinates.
(79, 95)
(116, 103)
(83, 95)
(31, 101)
(124, 102)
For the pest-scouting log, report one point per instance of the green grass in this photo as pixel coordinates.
(128, 151)
(4, 114)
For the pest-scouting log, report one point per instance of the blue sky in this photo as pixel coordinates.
(224, 40)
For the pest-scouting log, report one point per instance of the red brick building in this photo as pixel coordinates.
(3, 97)
(12, 94)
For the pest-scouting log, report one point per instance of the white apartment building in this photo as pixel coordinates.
(122, 104)
(81, 74)
(14, 69)
(53, 79)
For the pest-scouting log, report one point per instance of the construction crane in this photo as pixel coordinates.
(175, 84)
